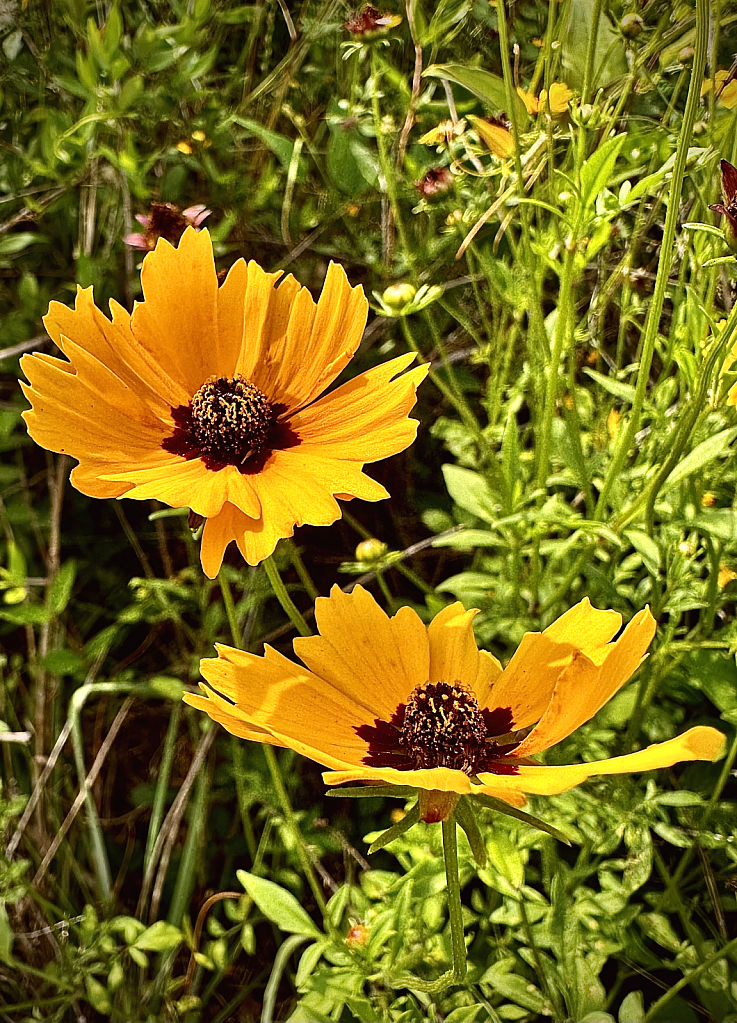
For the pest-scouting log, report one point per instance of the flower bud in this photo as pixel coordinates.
(631, 25)
(373, 549)
(397, 296)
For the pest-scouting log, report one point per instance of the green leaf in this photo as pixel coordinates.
(278, 905)
(25, 614)
(159, 937)
(517, 989)
(470, 490)
(407, 822)
(97, 995)
(597, 170)
(646, 548)
(632, 1009)
(7, 936)
(625, 392)
(702, 454)
(12, 244)
(609, 57)
(512, 811)
(721, 523)
(281, 146)
(488, 87)
(60, 589)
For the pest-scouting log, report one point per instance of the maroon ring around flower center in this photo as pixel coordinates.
(229, 421)
(441, 725)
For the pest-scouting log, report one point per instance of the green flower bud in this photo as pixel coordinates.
(371, 550)
(397, 296)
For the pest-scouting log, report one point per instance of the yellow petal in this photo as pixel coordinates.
(296, 706)
(497, 138)
(441, 778)
(265, 316)
(365, 419)
(530, 101)
(229, 524)
(454, 656)
(230, 722)
(316, 352)
(588, 682)
(360, 650)
(526, 684)
(231, 301)
(700, 743)
(177, 322)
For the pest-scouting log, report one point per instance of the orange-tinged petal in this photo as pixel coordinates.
(587, 683)
(700, 743)
(526, 684)
(365, 419)
(112, 344)
(229, 524)
(361, 650)
(295, 705)
(178, 321)
(488, 673)
(231, 319)
(321, 342)
(454, 656)
(184, 483)
(265, 316)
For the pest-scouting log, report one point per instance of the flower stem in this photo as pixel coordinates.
(280, 592)
(299, 843)
(450, 851)
(230, 612)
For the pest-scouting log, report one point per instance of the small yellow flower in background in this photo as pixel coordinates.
(612, 423)
(199, 136)
(184, 147)
(495, 134)
(555, 105)
(708, 500)
(443, 133)
(726, 94)
(726, 575)
(208, 397)
(392, 701)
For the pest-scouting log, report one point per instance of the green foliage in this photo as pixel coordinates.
(576, 303)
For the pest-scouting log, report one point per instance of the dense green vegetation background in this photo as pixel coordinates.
(575, 425)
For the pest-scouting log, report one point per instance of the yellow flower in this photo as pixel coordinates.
(443, 133)
(726, 94)
(726, 575)
(394, 702)
(495, 134)
(184, 147)
(555, 105)
(207, 397)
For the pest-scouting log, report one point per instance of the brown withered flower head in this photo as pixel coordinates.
(165, 220)
(728, 208)
(437, 181)
(369, 21)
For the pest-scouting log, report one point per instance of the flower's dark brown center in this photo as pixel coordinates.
(443, 727)
(230, 419)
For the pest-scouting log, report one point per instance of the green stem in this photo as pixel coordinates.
(723, 778)
(667, 252)
(162, 785)
(185, 881)
(229, 605)
(450, 852)
(282, 957)
(288, 605)
(388, 173)
(283, 797)
(657, 1007)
